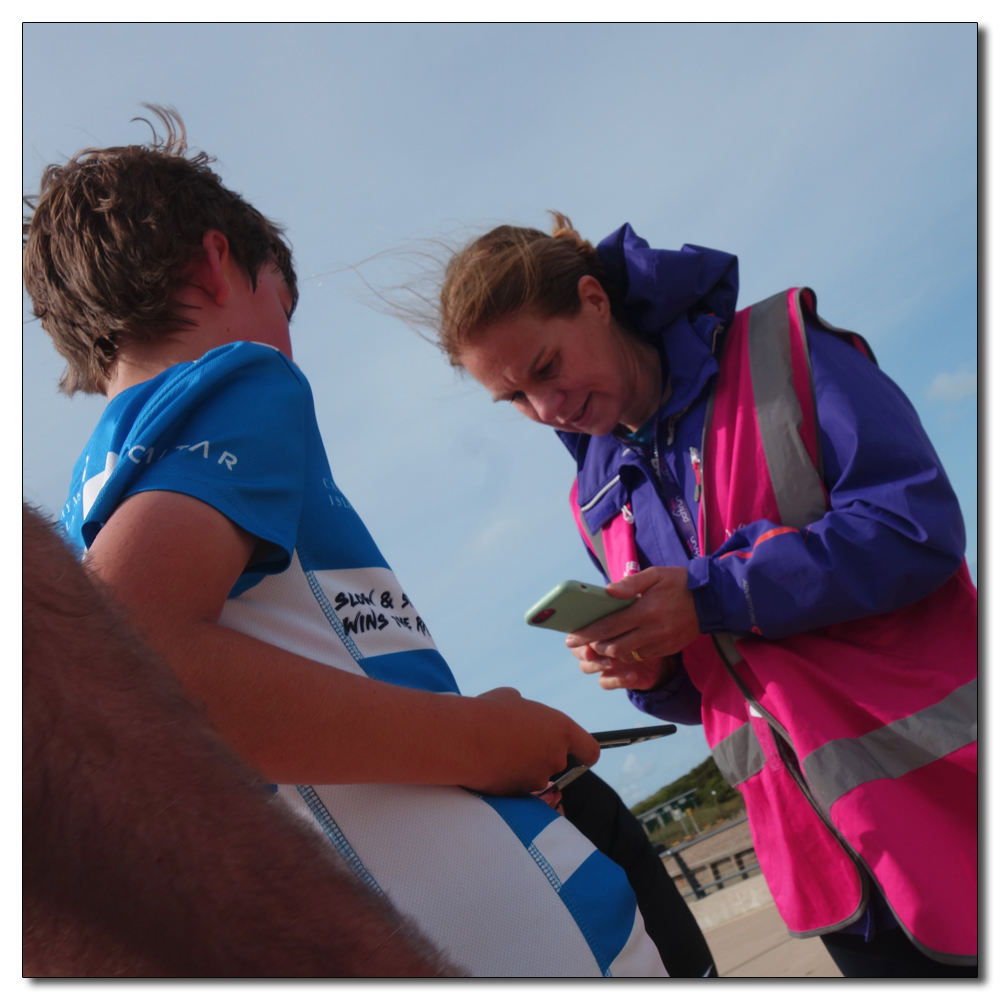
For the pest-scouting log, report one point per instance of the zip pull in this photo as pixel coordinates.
(671, 427)
(628, 515)
(696, 466)
(715, 336)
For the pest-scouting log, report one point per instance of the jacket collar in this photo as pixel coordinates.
(675, 299)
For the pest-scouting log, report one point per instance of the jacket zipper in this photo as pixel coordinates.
(604, 489)
(696, 466)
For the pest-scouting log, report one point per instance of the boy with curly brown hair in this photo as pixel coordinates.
(205, 501)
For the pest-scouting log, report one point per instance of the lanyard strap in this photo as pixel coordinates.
(673, 500)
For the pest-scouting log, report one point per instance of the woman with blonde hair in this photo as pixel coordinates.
(770, 498)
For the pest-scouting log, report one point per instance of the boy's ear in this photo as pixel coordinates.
(209, 272)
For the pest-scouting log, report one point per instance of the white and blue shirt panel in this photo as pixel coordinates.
(505, 886)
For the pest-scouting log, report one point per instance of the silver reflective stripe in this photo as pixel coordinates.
(891, 751)
(598, 543)
(739, 755)
(812, 382)
(796, 483)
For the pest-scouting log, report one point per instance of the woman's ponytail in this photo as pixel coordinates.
(562, 229)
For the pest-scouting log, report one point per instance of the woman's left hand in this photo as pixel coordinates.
(660, 623)
(612, 674)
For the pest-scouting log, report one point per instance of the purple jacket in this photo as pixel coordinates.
(895, 531)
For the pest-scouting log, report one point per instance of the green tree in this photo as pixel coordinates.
(704, 779)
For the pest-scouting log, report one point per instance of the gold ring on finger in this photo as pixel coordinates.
(636, 656)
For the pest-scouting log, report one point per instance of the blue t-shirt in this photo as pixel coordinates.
(504, 886)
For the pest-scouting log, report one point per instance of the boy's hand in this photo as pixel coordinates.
(660, 623)
(525, 742)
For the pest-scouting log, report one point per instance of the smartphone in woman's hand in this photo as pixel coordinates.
(574, 605)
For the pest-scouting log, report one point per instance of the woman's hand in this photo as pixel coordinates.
(628, 673)
(660, 623)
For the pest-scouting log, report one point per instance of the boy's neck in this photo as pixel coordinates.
(139, 362)
(224, 307)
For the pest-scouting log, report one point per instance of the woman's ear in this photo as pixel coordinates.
(592, 294)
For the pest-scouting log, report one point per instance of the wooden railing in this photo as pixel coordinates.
(738, 859)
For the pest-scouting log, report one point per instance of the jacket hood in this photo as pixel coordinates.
(656, 290)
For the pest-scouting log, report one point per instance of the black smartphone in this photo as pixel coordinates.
(607, 739)
(623, 737)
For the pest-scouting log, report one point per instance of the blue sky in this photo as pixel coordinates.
(838, 156)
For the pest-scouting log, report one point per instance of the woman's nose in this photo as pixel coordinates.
(547, 404)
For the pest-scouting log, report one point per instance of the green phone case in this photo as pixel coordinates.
(573, 605)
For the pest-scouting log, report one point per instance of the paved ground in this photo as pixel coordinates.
(758, 945)
(755, 944)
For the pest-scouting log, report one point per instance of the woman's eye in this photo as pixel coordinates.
(517, 397)
(546, 371)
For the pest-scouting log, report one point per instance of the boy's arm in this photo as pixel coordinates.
(172, 560)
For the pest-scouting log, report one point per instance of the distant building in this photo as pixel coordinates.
(672, 809)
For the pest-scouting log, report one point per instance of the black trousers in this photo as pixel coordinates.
(595, 809)
(889, 955)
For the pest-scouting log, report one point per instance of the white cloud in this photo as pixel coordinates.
(493, 534)
(633, 774)
(951, 386)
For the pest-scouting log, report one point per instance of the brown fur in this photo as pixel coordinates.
(150, 848)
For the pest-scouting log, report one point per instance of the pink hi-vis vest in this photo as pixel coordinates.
(854, 745)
